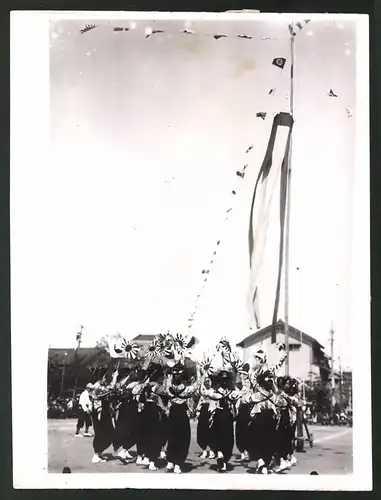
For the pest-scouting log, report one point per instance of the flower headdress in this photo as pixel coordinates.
(206, 366)
(179, 342)
(151, 352)
(223, 346)
(128, 348)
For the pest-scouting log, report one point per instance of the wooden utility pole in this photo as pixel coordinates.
(332, 333)
(300, 327)
(287, 236)
(63, 375)
(78, 338)
(340, 384)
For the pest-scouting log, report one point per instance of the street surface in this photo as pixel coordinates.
(331, 453)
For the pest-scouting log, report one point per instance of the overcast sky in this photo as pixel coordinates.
(146, 139)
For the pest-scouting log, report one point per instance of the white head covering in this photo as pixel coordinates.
(260, 353)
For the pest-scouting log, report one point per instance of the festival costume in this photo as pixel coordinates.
(294, 403)
(260, 370)
(149, 427)
(283, 447)
(149, 414)
(102, 419)
(262, 427)
(243, 419)
(221, 423)
(126, 426)
(179, 432)
(263, 424)
(162, 401)
(203, 432)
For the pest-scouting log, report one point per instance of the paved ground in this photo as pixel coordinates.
(331, 453)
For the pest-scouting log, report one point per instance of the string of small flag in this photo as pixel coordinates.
(240, 174)
(149, 32)
(294, 29)
(348, 107)
(279, 62)
(88, 27)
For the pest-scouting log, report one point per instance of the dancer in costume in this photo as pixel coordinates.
(221, 419)
(262, 427)
(284, 432)
(162, 401)
(243, 418)
(178, 425)
(291, 394)
(137, 391)
(102, 395)
(126, 426)
(260, 364)
(202, 411)
(150, 432)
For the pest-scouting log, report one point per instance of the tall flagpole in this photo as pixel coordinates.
(287, 238)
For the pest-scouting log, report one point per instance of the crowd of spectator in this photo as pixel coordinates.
(62, 407)
(65, 407)
(336, 417)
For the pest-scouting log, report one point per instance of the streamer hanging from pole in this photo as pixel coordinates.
(271, 175)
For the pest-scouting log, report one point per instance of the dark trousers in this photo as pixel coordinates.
(126, 425)
(84, 419)
(203, 431)
(284, 436)
(241, 427)
(222, 433)
(179, 434)
(164, 429)
(150, 437)
(103, 429)
(262, 436)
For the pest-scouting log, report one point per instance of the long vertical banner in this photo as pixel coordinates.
(272, 174)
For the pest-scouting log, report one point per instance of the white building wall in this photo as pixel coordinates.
(300, 362)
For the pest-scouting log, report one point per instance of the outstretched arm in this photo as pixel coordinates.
(281, 360)
(292, 400)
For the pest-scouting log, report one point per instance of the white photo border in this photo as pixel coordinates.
(29, 146)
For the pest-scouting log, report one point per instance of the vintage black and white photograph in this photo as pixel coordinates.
(184, 246)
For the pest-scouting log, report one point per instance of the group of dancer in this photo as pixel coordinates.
(150, 406)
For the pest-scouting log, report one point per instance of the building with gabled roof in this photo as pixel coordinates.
(307, 359)
(144, 338)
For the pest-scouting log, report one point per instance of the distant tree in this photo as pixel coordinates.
(319, 393)
(54, 377)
